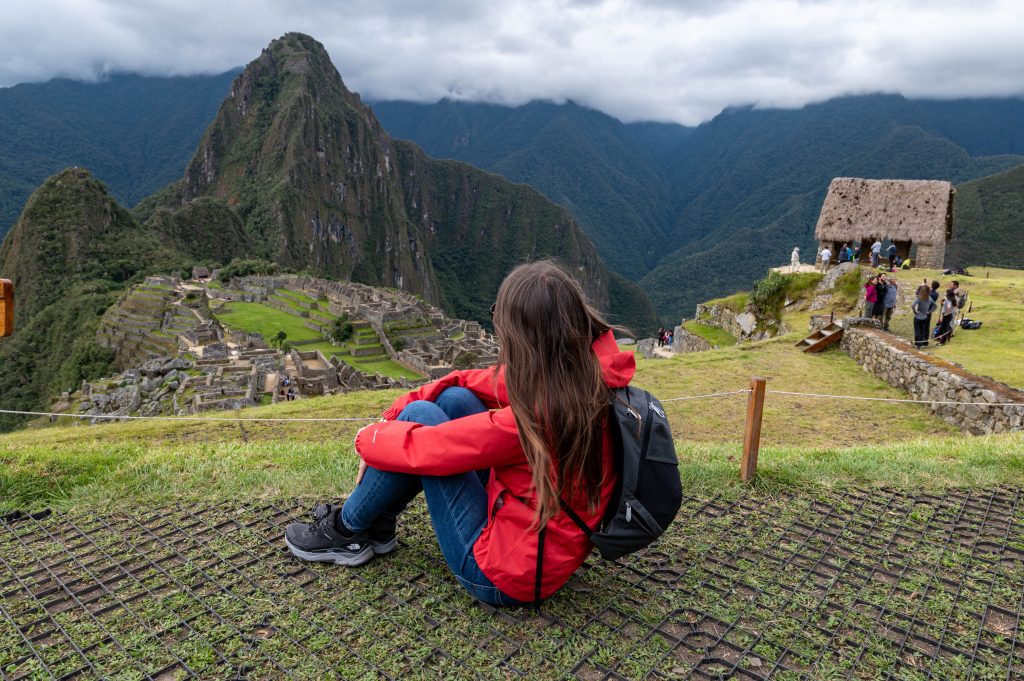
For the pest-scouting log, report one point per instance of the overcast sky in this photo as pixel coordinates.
(638, 60)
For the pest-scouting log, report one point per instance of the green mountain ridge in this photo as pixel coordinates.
(692, 213)
(735, 194)
(70, 255)
(294, 168)
(317, 184)
(989, 215)
(135, 132)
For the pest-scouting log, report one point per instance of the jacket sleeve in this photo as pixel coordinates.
(484, 440)
(487, 384)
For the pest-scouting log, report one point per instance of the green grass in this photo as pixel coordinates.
(997, 348)
(162, 461)
(736, 302)
(788, 421)
(260, 318)
(712, 334)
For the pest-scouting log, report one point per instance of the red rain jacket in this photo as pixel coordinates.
(506, 550)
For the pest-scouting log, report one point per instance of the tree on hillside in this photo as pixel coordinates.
(279, 340)
(341, 330)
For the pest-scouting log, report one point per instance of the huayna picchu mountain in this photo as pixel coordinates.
(318, 184)
(294, 169)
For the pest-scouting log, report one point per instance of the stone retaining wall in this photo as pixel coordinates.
(925, 377)
(684, 341)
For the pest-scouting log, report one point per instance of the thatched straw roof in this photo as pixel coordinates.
(900, 210)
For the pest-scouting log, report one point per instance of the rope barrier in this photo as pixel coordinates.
(893, 399)
(233, 419)
(709, 395)
(312, 419)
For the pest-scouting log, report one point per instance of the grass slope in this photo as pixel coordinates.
(808, 444)
(996, 298)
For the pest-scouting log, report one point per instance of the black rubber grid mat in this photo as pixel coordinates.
(856, 584)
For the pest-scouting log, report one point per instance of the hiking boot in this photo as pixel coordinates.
(321, 541)
(382, 536)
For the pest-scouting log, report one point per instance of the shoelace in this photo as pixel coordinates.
(321, 515)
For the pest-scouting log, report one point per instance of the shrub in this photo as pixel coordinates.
(466, 360)
(341, 330)
(244, 268)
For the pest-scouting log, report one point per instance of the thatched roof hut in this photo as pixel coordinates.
(905, 212)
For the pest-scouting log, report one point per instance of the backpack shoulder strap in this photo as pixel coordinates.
(587, 530)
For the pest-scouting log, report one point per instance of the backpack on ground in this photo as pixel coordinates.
(648, 492)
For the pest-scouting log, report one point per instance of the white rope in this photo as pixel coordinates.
(184, 418)
(709, 395)
(268, 419)
(892, 399)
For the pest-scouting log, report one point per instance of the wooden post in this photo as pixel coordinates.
(6, 308)
(752, 435)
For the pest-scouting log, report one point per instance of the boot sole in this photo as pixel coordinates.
(349, 559)
(380, 548)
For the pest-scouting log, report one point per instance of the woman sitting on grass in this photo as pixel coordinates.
(495, 451)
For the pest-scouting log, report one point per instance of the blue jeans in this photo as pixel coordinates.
(457, 503)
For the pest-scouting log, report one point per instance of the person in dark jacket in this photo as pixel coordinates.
(945, 330)
(922, 307)
(891, 252)
(879, 308)
(500, 454)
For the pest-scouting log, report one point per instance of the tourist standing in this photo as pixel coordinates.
(891, 252)
(870, 296)
(922, 308)
(794, 261)
(891, 292)
(876, 252)
(826, 256)
(856, 254)
(844, 254)
(934, 293)
(945, 331)
(879, 309)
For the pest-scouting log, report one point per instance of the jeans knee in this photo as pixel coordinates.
(424, 412)
(457, 402)
(455, 394)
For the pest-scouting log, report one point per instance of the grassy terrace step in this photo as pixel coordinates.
(257, 317)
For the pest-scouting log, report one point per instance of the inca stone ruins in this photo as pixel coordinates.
(179, 353)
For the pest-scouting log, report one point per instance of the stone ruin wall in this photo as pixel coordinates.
(684, 341)
(900, 365)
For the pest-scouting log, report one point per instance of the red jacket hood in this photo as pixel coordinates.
(617, 366)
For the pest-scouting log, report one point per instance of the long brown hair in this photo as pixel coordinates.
(545, 328)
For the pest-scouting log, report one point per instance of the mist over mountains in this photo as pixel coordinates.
(696, 213)
(690, 213)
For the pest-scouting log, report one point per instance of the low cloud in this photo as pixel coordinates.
(639, 60)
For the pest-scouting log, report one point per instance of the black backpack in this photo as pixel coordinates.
(648, 493)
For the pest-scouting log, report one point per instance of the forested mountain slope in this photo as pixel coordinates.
(135, 132)
(692, 212)
(736, 193)
(989, 218)
(583, 159)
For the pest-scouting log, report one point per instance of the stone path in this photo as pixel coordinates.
(854, 584)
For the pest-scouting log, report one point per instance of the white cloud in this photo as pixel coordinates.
(639, 60)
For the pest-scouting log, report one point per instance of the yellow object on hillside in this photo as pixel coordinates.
(6, 308)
